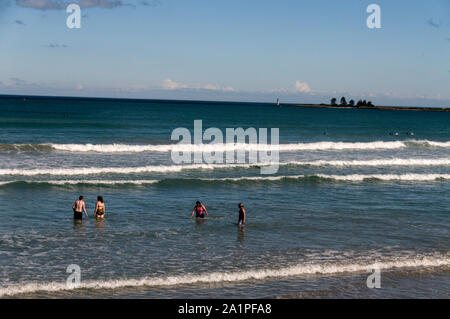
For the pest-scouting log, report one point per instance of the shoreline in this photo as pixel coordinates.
(389, 108)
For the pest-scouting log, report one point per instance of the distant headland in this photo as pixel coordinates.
(360, 104)
(363, 104)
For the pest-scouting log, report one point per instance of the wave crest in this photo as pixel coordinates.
(223, 147)
(76, 171)
(218, 277)
(291, 147)
(317, 177)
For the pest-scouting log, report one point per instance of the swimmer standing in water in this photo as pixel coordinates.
(241, 220)
(78, 208)
(199, 210)
(99, 208)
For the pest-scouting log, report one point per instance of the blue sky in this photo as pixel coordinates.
(246, 50)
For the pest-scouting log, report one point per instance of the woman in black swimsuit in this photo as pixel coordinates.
(99, 208)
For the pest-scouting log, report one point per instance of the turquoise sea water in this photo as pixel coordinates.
(354, 188)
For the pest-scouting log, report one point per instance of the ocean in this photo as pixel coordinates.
(358, 193)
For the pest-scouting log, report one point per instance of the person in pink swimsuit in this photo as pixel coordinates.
(199, 210)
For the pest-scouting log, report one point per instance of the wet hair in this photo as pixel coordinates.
(240, 205)
(81, 198)
(198, 203)
(100, 199)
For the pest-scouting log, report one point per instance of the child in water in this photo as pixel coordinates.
(241, 221)
(199, 210)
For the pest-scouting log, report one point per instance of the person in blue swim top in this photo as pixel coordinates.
(199, 210)
(241, 220)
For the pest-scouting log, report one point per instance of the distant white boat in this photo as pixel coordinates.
(278, 102)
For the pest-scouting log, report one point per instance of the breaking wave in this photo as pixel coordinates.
(128, 148)
(177, 168)
(301, 269)
(181, 181)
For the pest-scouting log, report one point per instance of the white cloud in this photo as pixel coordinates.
(228, 89)
(210, 87)
(302, 87)
(168, 84)
(100, 3)
(62, 4)
(17, 82)
(41, 4)
(298, 87)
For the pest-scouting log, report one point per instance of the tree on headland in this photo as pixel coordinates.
(364, 103)
(352, 103)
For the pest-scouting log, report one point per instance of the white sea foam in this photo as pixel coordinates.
(88, 182)
(433, 143)
(378, 162)
(221, 147)
(387, 177)
(313, 146)
(350, 178)
(218, 277)
(77, 171)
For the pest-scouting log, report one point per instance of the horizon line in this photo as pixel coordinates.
(147, 100)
